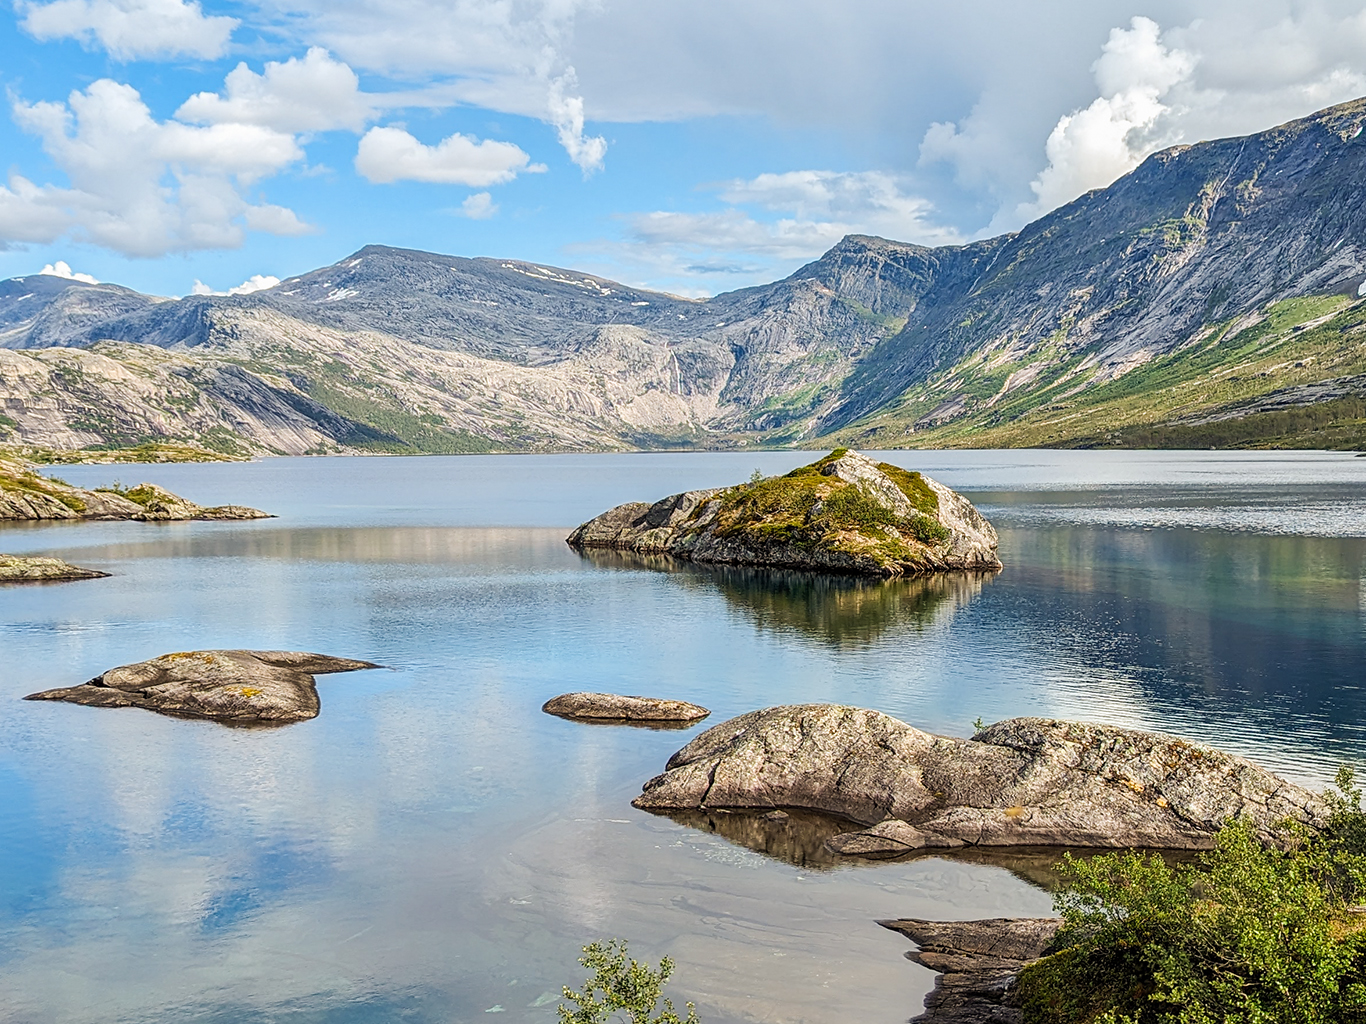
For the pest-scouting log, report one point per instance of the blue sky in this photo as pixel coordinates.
(687, 145)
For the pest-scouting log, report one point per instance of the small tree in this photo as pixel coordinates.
(621, 985)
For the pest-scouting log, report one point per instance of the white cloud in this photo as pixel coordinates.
(745, 243)
(63, 269)
(255, 283)
(1090, 148)
(479, 206)
(566, 114)
(140, 186)
(132, 29)
(507, 56)
(387, 155)
(30, 213)
(824, 207)
(312, 94)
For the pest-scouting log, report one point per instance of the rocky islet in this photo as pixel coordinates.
(38, 569)
(844, 513)
(25, 494)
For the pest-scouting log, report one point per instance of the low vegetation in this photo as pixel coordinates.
(623, 988)
(1225, 365)
(142, 494)
(1249, 934)
(807, 507)
(15, 476)
(148, 452)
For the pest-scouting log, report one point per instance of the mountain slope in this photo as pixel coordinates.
(1210, 296)
(1198, 244)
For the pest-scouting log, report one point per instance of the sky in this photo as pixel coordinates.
(692, 146)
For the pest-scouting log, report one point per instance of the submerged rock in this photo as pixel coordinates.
(844, 513)
(235, 686)
(616, 707)
(977, 963)
(18, 569)
(1021, 782)
(27, 494)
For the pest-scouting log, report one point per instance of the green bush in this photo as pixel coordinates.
(621, 985)
(1250, 934)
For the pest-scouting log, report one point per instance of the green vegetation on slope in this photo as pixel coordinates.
(152, 451)
(1248, 935)
(1296, 342)
(15, 477)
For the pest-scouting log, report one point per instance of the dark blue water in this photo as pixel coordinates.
(433, 848)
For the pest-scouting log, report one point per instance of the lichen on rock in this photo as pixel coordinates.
(843, 513)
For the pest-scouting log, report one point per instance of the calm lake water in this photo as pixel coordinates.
(434, 849)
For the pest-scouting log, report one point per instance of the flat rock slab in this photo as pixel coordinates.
(16, 569)
(977, 963)
(619, 708)
(1021, 782)
(229, 686)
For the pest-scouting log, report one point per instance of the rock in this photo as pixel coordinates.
(1021, 782)
(17, 569)
(844, 513)
(615, 707)
(27, 494)
(232, 686)
(977, 963)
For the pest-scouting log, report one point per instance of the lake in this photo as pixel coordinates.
(433, 848)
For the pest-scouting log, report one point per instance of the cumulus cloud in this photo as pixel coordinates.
(506, 56)
(63, 269)
(132, 29)
(255, 283)
(479, 206)
(388, 155)
(312, 94)
(140, 186)
(1090, 148)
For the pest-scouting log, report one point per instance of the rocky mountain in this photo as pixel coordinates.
(1210, 296)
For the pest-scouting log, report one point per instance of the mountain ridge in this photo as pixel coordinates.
(1230, 253)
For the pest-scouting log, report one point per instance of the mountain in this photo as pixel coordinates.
(1211, 296)
(394, 350)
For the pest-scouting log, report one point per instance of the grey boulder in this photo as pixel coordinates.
(232, 686)
(1021, 782)
(617, 707)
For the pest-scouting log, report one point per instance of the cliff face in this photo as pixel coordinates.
(844, 513)
(1209, 278)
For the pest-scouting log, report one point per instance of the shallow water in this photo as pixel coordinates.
(433, 848)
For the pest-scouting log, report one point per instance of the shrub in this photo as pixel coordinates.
(1250, 934)
(621, 985)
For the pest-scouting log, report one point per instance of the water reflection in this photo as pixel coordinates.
(841, 611)
(798, 838)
